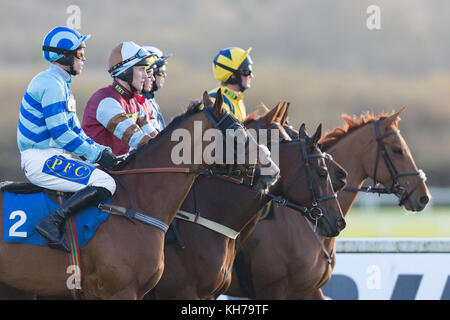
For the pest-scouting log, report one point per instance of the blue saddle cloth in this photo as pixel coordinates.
(23, 211)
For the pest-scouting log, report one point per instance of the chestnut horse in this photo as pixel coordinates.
(125, 260)
(286, 259)
(202, 269)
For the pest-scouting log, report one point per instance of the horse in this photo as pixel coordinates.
(285, 258)
(125, 260)
(201, 268)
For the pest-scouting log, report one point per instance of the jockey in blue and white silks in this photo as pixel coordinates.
(46, 120)
(49, 132)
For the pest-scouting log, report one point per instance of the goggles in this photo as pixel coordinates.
(77, 53)
(245, 73)
(160, 71)
(141, 54)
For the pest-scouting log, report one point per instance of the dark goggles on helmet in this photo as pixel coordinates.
(161, 70)
(244, 69)
(246, 72)
(141, 54)
(77, 53)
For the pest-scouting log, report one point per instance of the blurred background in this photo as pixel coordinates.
(319, 55)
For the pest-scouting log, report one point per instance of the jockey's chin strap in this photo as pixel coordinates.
(395, 188)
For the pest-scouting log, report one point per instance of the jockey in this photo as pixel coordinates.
(156, 117)
(114, 115)
(49, 132)
(232, 67)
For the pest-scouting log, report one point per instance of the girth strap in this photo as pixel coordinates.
(132, 214)
(217, 227)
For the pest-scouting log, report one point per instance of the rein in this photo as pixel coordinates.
(395, 188)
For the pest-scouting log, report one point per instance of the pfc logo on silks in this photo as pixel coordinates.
(68, 169)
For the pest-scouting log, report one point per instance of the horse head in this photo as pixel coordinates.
(239, 148)
(394, 166)
(338, 174)
(304, 180)
(325, 211)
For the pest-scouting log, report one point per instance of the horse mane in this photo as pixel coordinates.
(192, 108)
(352, 123)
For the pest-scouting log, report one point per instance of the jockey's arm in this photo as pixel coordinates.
(64, 127)
(144, 123)
(112, 116)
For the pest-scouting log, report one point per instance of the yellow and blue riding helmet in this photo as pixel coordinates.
(233, 60)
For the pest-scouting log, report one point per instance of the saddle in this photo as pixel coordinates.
(19, 187)
(25, 204)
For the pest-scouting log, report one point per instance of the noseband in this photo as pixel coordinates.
(395, 188)
(315, 212)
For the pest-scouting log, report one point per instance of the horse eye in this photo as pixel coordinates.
(323, 173)
(397, 151)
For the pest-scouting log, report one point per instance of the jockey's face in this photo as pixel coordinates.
(78, 61)
(160, 77)
(148, 83)
(139, 76)
(247, 81)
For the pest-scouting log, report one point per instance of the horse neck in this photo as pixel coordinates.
(348, 152)
(150, 189)
(225, 202)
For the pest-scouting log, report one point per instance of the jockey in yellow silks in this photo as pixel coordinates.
(232, 67)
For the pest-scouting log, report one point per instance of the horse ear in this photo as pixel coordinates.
(206, 99)
(317, 135)
(302, 131)
(219, 102)
(281, 113)
(271, 116)
(264, 107)
(285, 115)
(394, 117)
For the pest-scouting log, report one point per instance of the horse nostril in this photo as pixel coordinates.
(342, 174)
(424, 200)
(341, 224)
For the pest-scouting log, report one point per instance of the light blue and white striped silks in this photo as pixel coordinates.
(62, 38)
(46, 122)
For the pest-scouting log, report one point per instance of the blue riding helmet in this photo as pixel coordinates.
(60, 41)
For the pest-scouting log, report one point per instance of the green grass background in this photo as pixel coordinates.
(395, 222)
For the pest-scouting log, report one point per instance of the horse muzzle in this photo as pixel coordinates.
(331, 227)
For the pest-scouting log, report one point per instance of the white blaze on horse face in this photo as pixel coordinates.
(269, 167)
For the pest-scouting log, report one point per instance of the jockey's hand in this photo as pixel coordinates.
(108, 160)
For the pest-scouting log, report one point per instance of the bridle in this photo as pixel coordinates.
(314, 211)
(395, 188)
